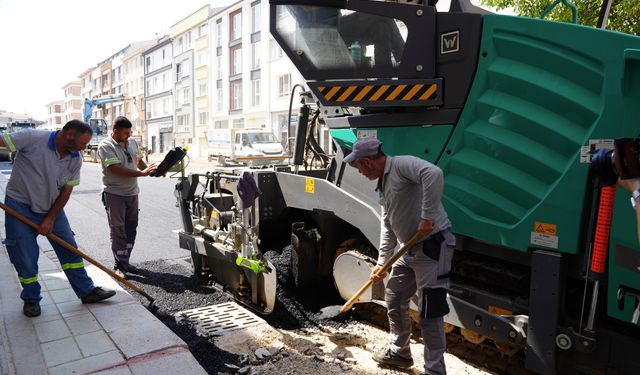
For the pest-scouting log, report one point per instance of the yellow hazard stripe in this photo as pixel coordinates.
(8, 142)
(73, 182)
(379, 93)
(395, 92)
(28, 280)
(362, 93)
(413, 91)
(429, 91)
(346, 94)
(68, 266)
(332, 92)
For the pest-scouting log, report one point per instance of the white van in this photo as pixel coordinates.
(248, 146)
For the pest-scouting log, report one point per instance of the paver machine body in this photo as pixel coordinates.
(510, 109)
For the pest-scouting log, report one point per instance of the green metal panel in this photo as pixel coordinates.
(426, 142)
(541, 91)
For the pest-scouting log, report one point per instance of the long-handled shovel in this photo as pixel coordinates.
(66, 245)
(331, 312)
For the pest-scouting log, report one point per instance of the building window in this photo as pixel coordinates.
(186, 95)
(284, 84)
(219, 33)
(238, 123)
(203, 29)
(203, 87)
(222, 124)
(203, 58)
(183, 123)
(203, 118)
(236, 26)
(255, 54)
(179, 46)
(236, 60)
(236, 95)
(276, 51)
(178, 71)
(255, 15)
(219, 66)
(255, 88)
(219, 99)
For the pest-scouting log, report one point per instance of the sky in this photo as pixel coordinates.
(45, 44)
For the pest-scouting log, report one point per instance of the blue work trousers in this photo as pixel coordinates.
(24, 252)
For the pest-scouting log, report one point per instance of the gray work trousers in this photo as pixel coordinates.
(122, 213)
(410, 276)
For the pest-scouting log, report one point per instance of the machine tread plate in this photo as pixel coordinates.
(218, 319)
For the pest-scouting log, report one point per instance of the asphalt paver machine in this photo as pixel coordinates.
(511, 109)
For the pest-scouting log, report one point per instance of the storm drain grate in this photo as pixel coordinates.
(218, 319)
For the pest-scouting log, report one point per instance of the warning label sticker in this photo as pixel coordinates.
(309, 185)
(545, 240)
(545, 228)
(587, 152)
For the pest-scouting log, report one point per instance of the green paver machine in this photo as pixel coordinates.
(511, 109)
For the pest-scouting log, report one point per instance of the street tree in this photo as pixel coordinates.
(624, 15)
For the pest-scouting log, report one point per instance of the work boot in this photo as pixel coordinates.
(127, 268)
(31, 309)
(131, 269)
(388, 358)
(98, 294)
(120, 272)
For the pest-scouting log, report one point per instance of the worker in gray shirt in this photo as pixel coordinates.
(410, 191)
(45, 170)
(122, 164)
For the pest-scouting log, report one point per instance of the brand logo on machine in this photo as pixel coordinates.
(450, 42)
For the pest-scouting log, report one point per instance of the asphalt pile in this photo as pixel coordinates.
(175, 289)
(300, 308)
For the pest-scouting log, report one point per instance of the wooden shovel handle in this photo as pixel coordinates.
(66, 245)
(385, 267)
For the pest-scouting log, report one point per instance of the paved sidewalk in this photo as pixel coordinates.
(116, 336)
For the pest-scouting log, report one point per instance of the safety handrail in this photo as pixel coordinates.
(567, 3)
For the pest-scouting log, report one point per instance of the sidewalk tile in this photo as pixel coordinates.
(144, 337)
(55, 284)
(60, 275)
(178, 363)
(60, 351)
(83, 323)
(117, 317)
(72, 308)
(120, 370)
(95, 343)
(49, 313)
(63, 295)
(89, 365)
(46, 264)
(53, 330)
(46, 299)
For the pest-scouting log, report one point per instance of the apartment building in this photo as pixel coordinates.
(86, 86)
(72, 107)
(54, 115)
(158, 95)
(252, 77)
(133, 88)
(183, 35)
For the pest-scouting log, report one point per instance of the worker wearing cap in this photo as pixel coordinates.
(122, 164)
(45, 170)
(410, 191)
